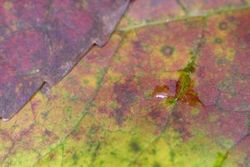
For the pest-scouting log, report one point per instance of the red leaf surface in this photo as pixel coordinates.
(41, 41)
(170, 89)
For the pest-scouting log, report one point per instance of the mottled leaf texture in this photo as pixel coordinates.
(41, 41)
(170, 89)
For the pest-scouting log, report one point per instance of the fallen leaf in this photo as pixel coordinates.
(42, 40)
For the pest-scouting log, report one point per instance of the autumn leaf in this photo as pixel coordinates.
(42, 40)
(170, 88)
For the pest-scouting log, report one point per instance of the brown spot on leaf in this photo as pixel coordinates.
(185, 91)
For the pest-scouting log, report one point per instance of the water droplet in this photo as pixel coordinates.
(161, 91)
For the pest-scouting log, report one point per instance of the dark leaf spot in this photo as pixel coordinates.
(75, 158)
(134, 146)
(218, 40)
(156, 164)
(125, 96)
(223, 25)
(167, 50)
